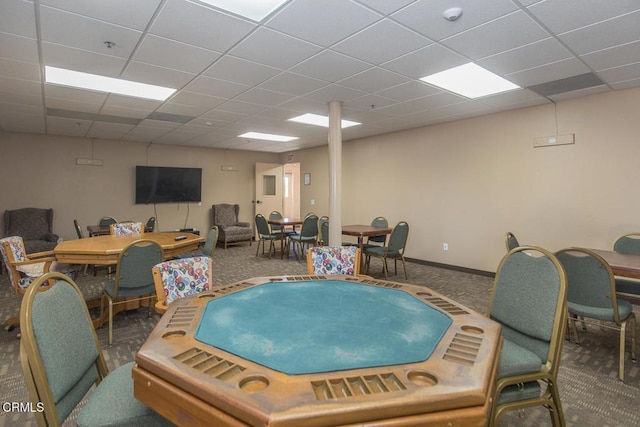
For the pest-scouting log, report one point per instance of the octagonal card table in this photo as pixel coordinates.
(319, 351)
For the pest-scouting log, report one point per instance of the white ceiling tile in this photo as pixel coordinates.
(145, 73)
(409, 91)
(124, 112)
(61, 56)
(72, 105)
(18, 18)
(525, 57)
(199, 25)
(373, 80)
(385, 7)
(323, 23)
(71, 94)
(505, 33)
(369, 102)
(240, 107)
(70, 127)
(264, 97)
(20, 86)
(170, 54)
(19, 70)
(292, 84)
(86, 33)
(426, 61)
(613, 57)
(18, 48)
(334, 92)
(330, 66)
(605, 34)
(21, 98)
(216, 87)
(241, 71)
(105, 130)
(275, 49)
(381, 42)
(131, 14)
(621, 74)
(565, 15)
(425, 16)
(548, 72)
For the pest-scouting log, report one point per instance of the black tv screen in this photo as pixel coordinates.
(158, 184)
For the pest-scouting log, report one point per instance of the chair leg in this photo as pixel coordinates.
(384, 268)
(110, 321)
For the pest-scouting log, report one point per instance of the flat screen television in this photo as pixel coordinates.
(160, 184)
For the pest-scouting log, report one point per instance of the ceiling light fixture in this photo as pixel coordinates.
(318, 120)
(267, 136)
(252, 9)
(470, 80)
(452, 14)
(79, 80)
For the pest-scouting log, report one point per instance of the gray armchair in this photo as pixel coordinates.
(34, 225)
(230, 230)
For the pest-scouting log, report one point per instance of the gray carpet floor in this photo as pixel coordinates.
(591, 393)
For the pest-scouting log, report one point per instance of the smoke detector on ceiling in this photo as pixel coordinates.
(452, 14)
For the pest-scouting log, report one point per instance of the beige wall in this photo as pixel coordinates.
(464, 183)
(41, 171)
(468, 182)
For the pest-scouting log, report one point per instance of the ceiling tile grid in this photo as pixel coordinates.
(234, 75)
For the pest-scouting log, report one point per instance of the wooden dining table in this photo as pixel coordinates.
(362, 231)
(105, 250)
(284, 222)
(624, 265)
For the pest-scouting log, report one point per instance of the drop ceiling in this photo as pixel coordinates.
(235, 75)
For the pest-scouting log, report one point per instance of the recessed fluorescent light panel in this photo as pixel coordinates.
(76, 79)
(252, 9)
(267, 136)
(318, 120)
(470, 80)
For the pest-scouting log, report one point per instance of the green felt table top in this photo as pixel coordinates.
(322, 326)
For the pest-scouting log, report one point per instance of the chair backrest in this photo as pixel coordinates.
(529, 299)
(12, 250)
(106, 221)
(262, 226)
(151, 224)
(590, 280)
(275, 215)
(121, 228)
(135, 263)
(323, 230)
(79, 232)
(628, 244)
(309, 226)
(379, 222)
(180, 278)
(59, 350)
(225, 214)
(28, 223)
(510, 241)
(398, 238)
(333, 260)
(210, 241)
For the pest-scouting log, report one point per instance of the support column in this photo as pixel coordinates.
(335, 173)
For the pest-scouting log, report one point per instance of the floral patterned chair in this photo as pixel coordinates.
(225, 216)
(34, 225)
(24, 269)
(333, 260)
(120, 228)
(179, 278)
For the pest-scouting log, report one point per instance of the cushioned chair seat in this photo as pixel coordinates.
(381, 251)
(516, 360)
(109, 287)
(600, 313)
(113, 399)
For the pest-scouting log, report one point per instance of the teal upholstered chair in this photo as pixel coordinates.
(209, 246)
(510, 241)
(592, 297)
(275, 228)
(628, 288)
(106, 221)
(323, 260)
(62, 360)
(529, 300)
(373, 241)
(323, 231)
(308, 235)
(393, 250)
(265, 234)
(133, 279)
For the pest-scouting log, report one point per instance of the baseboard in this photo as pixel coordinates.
(453, 267)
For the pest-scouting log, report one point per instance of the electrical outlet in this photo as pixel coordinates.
(445, 246)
